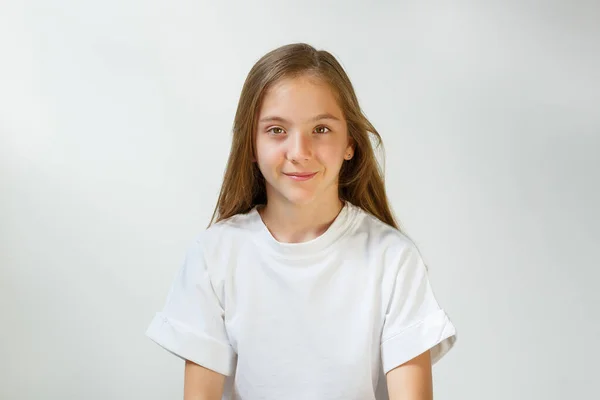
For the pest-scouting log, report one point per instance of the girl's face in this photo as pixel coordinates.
(301, 142)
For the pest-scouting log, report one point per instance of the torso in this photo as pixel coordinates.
(304, 319)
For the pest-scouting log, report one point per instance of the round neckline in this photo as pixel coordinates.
(309, 248)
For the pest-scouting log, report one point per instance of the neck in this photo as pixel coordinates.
(291, 223)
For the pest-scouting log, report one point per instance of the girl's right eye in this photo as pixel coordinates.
(275, 130)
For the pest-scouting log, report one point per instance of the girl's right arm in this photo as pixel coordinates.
(202, 383)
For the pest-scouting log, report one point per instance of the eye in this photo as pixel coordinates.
(322, 129)
(275, 130)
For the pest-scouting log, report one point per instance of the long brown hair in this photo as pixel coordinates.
(361, 179)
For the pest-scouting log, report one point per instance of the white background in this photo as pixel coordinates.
(115, 121)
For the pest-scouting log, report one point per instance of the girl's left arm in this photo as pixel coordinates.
(411, 380)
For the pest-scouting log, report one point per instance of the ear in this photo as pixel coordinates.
(349, 150)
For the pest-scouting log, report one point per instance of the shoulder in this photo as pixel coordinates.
(382, 239)
(229, 232)
(215, 246)
(224, 239)
(380, 233)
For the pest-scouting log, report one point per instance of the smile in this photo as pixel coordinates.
(300, 176)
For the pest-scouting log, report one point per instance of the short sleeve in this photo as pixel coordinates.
(191, 324)
(414, 321)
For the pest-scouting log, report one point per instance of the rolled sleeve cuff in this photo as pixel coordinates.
(435, 333)
(193, 346)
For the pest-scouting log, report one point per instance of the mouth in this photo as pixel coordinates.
(300, 176)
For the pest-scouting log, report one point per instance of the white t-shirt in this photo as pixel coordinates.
(320, 320)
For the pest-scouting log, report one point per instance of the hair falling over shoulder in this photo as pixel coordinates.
(361, 180)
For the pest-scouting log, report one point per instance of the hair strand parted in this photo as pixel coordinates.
(361, 179)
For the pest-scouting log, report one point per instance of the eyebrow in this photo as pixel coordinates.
(319, 117)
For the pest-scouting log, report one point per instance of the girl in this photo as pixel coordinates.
(303, 286)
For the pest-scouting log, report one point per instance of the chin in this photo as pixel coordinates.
(300, 200)
(298, 197)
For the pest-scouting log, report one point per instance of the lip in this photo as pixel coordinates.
(300, 176)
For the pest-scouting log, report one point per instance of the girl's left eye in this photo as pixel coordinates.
(320, 129)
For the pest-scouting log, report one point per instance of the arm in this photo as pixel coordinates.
(411, 380)
(202, 383)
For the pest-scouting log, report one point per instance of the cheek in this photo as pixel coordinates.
(332, 154)
(268, 155)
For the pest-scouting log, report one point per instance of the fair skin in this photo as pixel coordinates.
(409, 381)
(301, 143)
(201, 383)
(412, 380)
(301, 130)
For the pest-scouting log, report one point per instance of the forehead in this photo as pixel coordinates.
(300, 99)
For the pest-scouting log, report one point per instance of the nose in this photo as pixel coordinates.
(300, 147)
